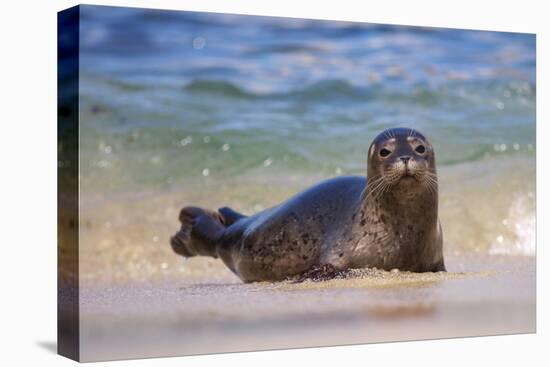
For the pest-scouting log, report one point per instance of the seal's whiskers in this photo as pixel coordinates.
(379, 184)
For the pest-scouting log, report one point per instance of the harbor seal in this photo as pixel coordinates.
(388, 220)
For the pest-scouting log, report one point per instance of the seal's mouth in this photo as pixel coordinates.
(407, 180)
(408, 174)
(404, 174)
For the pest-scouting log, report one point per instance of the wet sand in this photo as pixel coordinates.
(481, 295)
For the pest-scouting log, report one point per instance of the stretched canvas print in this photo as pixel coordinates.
(237, 183)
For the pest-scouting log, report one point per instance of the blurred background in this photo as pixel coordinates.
(181, 108)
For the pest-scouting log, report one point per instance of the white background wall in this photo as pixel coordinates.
(28, 181)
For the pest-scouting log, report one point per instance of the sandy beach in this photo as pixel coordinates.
(480, 296)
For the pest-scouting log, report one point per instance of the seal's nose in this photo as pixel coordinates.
(405, 158)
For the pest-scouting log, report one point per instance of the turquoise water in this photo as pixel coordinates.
(169, 98)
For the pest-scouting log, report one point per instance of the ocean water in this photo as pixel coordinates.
(210, 109)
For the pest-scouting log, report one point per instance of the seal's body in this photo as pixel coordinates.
(388, 221)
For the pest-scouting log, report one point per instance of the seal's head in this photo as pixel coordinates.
(401, 161)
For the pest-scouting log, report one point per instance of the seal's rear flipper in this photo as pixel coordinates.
(199, 233)
(230, 216)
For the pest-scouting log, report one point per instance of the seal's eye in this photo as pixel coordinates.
(420, 149)
(384, 152)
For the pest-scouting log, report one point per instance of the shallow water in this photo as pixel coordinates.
(182, 108)
(201, 105)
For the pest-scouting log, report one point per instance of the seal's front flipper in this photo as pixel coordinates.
(318, 273)
(440, 266)
(199, 233)
(230, 216)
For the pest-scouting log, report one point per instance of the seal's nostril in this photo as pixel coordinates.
(405, 158)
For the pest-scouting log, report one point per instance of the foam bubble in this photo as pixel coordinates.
(522, 238)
